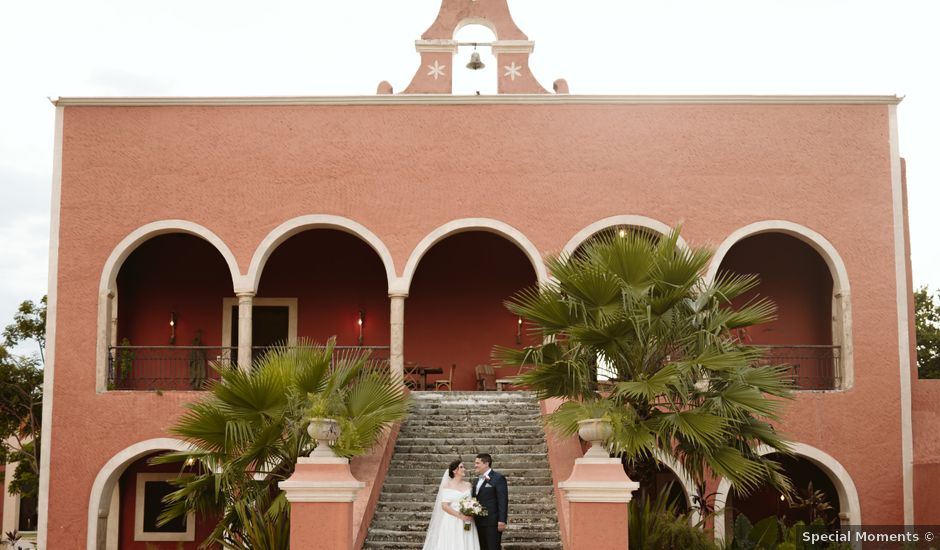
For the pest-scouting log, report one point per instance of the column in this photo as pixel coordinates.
(397, 351)
(245, 301)
(599, 493)
(321, 493)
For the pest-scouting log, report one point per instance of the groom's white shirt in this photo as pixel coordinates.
(483, 477)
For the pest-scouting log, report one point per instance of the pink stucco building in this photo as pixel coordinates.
(402, 222)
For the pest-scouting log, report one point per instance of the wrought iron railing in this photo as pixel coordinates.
(148, 368)
(166, 367)
(378, 355)
(811, 367)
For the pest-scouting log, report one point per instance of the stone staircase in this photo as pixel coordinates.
(443, 426)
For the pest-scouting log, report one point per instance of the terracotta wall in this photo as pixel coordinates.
(404, 170)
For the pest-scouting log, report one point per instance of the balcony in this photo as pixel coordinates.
(810, 367)
(150, 368)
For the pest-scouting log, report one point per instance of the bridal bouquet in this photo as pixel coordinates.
(470, 506)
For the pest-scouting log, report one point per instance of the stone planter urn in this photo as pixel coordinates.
(325, 431)
(596, 431)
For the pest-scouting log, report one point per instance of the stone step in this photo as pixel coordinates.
(442, 426)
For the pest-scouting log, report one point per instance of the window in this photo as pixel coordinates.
(151, 488)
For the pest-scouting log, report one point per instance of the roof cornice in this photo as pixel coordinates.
(504, 99)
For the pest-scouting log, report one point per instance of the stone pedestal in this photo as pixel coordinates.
(321, 494)
(598, 493)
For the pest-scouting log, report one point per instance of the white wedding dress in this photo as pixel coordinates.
(446, 532)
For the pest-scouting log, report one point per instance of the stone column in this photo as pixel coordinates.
(321, 494)
(245, 301)
(397, 351)
(599, 493)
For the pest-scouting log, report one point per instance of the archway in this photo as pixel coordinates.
(455, 312)
(166, 333)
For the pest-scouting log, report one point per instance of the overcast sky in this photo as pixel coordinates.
(314, 47)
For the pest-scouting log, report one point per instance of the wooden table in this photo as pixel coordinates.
(423, 372)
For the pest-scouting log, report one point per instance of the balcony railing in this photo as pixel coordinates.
(811, 367)
(166, 367)
(148, 368)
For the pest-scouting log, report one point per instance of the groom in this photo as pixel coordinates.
(493, 493)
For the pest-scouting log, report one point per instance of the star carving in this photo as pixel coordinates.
(513, 70)
(436, 70)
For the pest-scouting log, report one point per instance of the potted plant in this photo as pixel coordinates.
(324, 414)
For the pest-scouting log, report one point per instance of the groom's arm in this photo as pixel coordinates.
(502, 499)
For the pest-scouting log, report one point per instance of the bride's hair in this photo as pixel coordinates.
(452, 467)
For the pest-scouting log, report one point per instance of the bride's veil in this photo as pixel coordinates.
(437, 514)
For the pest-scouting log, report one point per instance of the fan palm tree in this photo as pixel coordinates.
(636, 309)
(249, 431)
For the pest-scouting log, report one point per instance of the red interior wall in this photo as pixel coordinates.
(168, 273)
(796, 278)
(128, 492)
(333, 275)
(455, 313)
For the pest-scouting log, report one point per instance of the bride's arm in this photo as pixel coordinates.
(446, 507)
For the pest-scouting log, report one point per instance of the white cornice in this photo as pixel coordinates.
(511, 99)
(443, 46)
(513, 46)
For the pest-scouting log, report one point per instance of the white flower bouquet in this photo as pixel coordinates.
(470, 506)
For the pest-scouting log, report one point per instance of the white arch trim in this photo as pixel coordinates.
(614, 221)
(313, 221)
(99, 503)
(826, 250)
(472, 224)
(849, 504)
(107, 286)
(685, 480)
(841, 292)
(137, 237)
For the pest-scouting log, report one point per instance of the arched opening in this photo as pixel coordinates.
(316, 284)
(455, 312)
(465, 80)
(806, 335)
(140, 490)
(814, 497)
(126, 498)
(167, 332)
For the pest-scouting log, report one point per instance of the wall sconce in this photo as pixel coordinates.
(172, 327)
(519, 331)
(362, 318)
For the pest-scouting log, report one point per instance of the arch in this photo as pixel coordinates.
(613, 221)
(144, 233)
(107, 285)
(849, 504)
(99, 503)
(685, 480)
(471, 224)
(313, 221)
(841, 292)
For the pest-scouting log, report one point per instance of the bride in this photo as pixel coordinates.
(446, 530)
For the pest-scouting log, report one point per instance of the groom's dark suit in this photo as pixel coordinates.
(494, 496)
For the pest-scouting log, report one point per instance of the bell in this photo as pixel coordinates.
(475, 63)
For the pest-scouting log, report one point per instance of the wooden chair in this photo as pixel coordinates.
(412, 381)
(486, 377)
(448, 383)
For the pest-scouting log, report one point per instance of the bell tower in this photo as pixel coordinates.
(438, 47)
